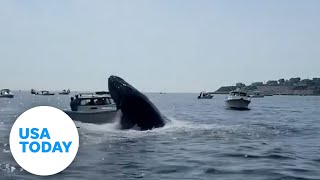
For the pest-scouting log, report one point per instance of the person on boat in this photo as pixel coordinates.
(77, 100)
(91, 102)
(99, 102)
(104, 101)
(73, 104)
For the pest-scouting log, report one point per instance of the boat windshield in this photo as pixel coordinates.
(5, 90)
(243, 94)
(96, 101)
(237, 93)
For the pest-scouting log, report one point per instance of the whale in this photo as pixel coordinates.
(136, 109)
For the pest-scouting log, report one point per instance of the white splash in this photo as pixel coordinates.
(92, 133)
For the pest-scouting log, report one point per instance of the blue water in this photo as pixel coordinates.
(279, 138)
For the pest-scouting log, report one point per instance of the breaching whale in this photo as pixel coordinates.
(136, 108)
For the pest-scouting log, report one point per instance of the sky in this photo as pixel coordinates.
(156, 45)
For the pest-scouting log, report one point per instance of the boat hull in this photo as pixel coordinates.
(7, 96)
(96, 117)
(237, 103)
(257, 96)
(207, 97)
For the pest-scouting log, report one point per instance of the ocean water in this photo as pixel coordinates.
(279, 138)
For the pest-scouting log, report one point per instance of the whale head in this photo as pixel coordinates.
(136, 108)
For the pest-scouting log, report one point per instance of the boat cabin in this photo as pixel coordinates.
(66, 91)
(238, 93)
(5, 91)
(91, 101)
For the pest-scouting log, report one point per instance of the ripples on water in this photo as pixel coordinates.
(277, 139)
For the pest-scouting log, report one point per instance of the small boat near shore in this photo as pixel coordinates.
(238, 100)
(65, 92)
(257, 94)
(6, 93)
(205, 95)
(92, 108)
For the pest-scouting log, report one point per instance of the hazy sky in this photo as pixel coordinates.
(156, 45)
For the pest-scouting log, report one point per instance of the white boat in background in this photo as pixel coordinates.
(205, 95)
(238, 100)
(92, 108)
(257, 94)
(44, 93)
(6, 93)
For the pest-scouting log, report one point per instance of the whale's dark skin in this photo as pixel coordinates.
(136, 108)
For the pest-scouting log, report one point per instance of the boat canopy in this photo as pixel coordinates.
(92, 95)
(102, 92)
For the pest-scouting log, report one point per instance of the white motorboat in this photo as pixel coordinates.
(257, 94)
(6, 93)
(238, 100)
(92, 108)
(205, 95)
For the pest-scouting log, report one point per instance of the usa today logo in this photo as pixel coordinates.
(44, 140)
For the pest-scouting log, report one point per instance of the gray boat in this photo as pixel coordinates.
(44, 93)
(6, 93)
(238, 100)
(93, 108)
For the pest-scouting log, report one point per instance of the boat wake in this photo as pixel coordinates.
(93, 133)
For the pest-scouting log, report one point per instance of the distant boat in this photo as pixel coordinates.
(205, 95)
(238, 100)
(44, 93)
(6, 93)
(101, 93)
(33, 91)
(268, 95)
(257, 94)
(65, 92)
